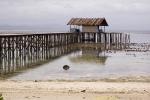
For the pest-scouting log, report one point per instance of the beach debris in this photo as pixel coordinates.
(83, 97)
(83, 91)
(69, 90)
(146, 91)
(27, 97)
(66, 67)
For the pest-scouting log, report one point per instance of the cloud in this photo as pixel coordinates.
(58, 12)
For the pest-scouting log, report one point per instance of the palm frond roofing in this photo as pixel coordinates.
(88, 22)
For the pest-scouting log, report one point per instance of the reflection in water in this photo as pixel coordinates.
(14, 61)
(31, 58)
(88, 61)
(89, 55)
(85, 60)
(92, 62)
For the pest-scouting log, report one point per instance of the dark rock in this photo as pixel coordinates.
(66, 67)
(83, 91)
(35, 80)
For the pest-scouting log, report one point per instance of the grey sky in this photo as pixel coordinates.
(121, 14)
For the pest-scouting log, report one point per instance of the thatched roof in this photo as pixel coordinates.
(88, 22)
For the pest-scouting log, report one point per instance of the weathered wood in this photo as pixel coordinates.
(18, 51)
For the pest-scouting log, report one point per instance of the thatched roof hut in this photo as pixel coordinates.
(88, 24)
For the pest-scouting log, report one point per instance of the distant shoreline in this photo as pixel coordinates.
(38, 30)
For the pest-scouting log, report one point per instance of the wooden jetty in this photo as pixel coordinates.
(35, 42)
(27, 49)
(20, 51)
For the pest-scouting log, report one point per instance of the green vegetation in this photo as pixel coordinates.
(1, 97)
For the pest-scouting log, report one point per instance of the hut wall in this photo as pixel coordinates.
(90, 29)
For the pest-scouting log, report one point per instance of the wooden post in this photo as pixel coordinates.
(105, 37)
(1, 56)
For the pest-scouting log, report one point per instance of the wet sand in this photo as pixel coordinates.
(44, 90)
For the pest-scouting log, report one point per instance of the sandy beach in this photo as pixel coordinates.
(74, 49)
(44, 90)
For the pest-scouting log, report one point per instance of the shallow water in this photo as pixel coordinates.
(95, 63)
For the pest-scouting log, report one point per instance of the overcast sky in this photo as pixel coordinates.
(120, 14)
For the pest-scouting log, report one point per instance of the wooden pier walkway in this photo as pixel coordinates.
(21, 41)
(34, 42)
(23, 49)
